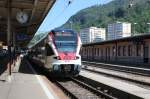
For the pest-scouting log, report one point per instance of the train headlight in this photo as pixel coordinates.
(57, 57)
(77, 67)
(55, 67)
(77, 57)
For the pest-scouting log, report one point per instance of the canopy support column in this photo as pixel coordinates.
(9, 34)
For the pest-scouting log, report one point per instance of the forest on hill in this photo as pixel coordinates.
(117, 10)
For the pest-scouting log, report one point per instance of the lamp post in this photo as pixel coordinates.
(130, 3)
(148, 27)
(70, 24)
(134, 28)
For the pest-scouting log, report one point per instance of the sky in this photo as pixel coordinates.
(62, 11)
(60, 14)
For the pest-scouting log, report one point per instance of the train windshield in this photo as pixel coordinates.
(65, 41)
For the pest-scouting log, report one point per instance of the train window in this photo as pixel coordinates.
(63, 34)
(124, 50)
(49, 50)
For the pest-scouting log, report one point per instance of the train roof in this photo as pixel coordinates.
(65, 30)
(137, 38)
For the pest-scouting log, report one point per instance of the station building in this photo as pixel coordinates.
(135, 49)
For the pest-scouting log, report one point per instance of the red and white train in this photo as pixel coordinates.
(60, 55)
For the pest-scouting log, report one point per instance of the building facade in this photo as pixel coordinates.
(92, 34)
(118, 30)
(135, 50)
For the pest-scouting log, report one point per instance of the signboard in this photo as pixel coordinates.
(23, 37)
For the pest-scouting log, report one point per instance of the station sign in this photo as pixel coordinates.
(23, 37)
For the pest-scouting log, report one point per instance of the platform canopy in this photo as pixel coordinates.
(25, 17)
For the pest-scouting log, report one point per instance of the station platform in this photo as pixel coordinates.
(117, 84)
(3, 63)
(137, 65)
(26, 84)
(141, 78)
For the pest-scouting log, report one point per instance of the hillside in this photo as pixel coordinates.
(117, 10)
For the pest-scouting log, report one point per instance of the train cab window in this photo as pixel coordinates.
(49, 50)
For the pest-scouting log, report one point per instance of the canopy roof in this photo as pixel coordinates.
(36, 10)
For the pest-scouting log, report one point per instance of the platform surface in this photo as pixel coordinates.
(25, 84)
(121, 85)
(145, 79)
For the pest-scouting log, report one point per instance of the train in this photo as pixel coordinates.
(59, 53)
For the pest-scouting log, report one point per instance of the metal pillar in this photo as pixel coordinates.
(9, 34)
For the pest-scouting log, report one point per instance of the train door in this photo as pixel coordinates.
(146, 53)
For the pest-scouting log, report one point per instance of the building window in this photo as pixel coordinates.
(129, 50)
(108, 51)
(119, 50)
(124, 50)
(87, 50)
(138, 50)
(113, 51)
(97, 51)
(102, 52)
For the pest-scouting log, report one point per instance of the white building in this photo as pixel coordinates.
(118, 30)
(92, 34)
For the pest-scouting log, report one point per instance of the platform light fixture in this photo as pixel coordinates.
(148, 27)
(130, 3)
(134, 28)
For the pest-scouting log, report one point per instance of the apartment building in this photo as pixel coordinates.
(92, 34)
(118, 30)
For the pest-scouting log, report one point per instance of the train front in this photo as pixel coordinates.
(66, 45)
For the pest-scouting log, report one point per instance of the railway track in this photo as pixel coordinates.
(76, 88)
(130, 76)
(79, 89)
(128, 69)
(84, 88)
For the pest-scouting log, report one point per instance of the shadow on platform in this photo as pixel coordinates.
(24, 68)
(3, 64)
